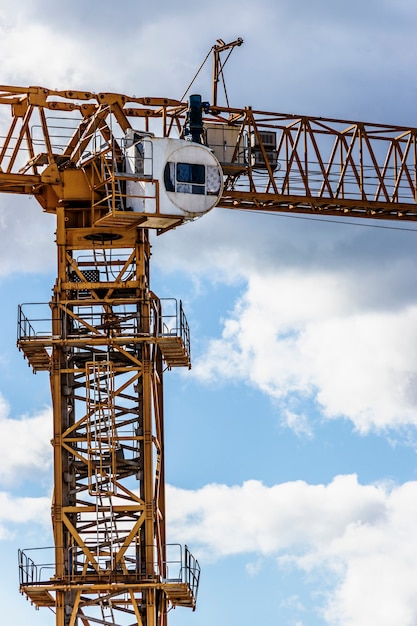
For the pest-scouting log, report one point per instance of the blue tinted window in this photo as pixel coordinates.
(191, 173)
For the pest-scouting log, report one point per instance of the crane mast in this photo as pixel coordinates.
(112, 169)
(105, 343)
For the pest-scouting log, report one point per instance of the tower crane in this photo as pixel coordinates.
(113, 169)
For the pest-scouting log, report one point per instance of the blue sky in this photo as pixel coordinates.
(291, 444)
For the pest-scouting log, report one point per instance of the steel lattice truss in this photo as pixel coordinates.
(105, 339)
(104, 346)
(316, 165)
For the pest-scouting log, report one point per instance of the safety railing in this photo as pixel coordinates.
(116, 189)
(174, 321)
(34, 321)
(181, 566)
(166, 318)
(39, 572)
(37, 566)
(191, 572)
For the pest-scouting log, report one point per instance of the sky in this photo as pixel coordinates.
(291, 444)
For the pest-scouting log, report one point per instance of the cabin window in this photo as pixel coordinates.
(191, 173)
(169, 176)
(213, 180)
(192, 178)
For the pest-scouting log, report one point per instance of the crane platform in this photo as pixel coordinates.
(174, 351)
(39, 597)
(36, 355)
(35, 339)
(180, 594)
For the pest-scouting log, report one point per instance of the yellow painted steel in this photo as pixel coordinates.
(320, 166)
(108, 344)
(106, 371)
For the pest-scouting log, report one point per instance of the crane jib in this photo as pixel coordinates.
(71, 148)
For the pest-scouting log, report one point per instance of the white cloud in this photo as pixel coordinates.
(377, 585)
(259, 519)
(355, 538)
(25, 448)
(27, 237)
(146, 54)
(312, 334)
(254, 567)
(26, 45)
(80, 47)
(17, 511)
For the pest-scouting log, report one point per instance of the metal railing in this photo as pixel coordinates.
(37, 566)
(36, 573)
(191, 572)
(166, 319)
(34, 321)
(174, 323)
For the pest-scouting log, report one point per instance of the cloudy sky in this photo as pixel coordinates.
(291, 444)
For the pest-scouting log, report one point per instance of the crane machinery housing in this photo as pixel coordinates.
(113, 168)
